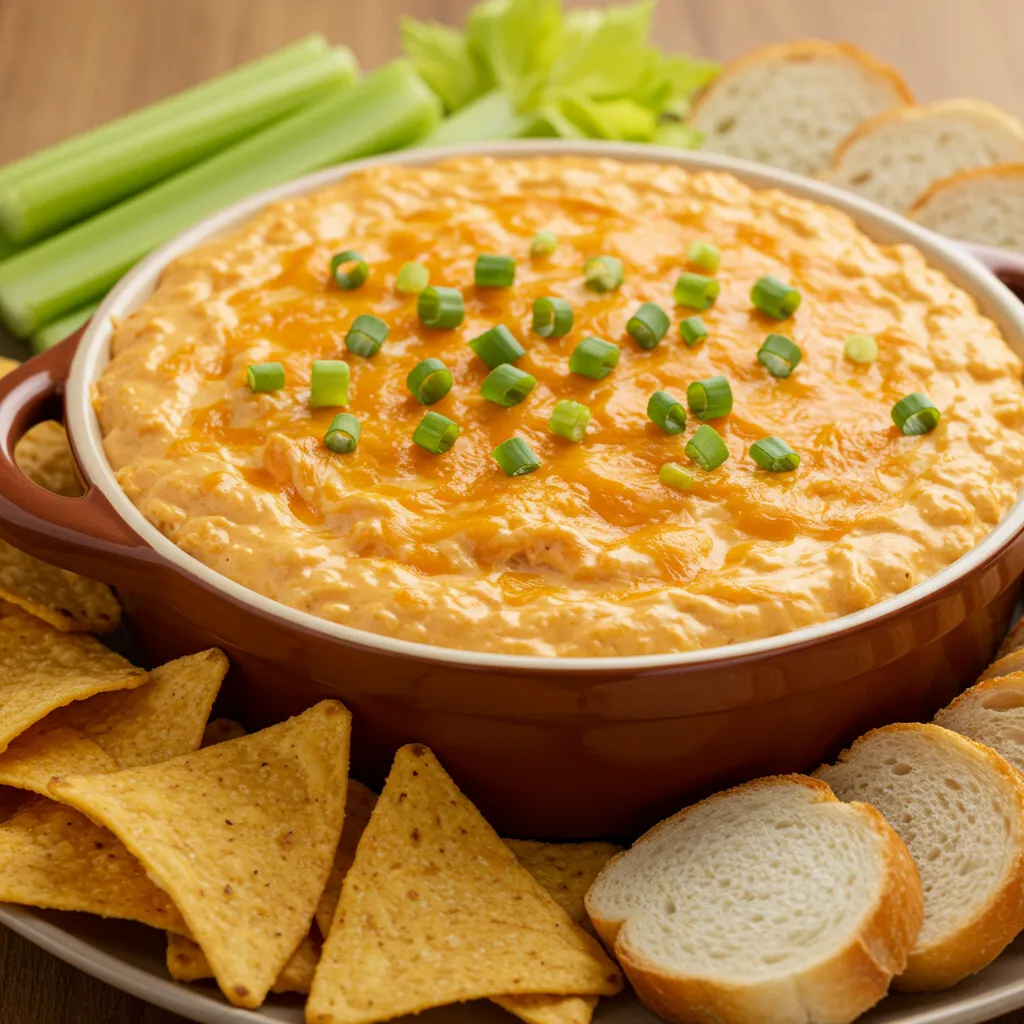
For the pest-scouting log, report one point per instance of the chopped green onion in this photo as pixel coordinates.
(693, 330)
(774, 455)
(429, 381)
(343, 434)
(349, 269)
(507, 385)
(330, 383)
(667, 412)
(594, 358)
(366, 335)
(516, 457)
(710, 398)
(543, 245)
(676, 476)
(916, 414)
(707, 448)
(696, 291)
(569, 420)
(552, 318)
(774, 297)
(648, 325)
(779, 355)
(704, 255)
(412, 278)
(440, 307)
(602, 273)
(494, 271)
(436, 433)
(265, 377)
(497, 346)
(861, 348)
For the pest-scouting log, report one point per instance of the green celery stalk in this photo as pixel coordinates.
(35, 205)
(54, 333)
(389, 109)
(486, 119)
(7, 247)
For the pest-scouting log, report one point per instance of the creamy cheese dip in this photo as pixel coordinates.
(590, 555)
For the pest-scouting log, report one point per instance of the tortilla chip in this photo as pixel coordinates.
(65, 600)
(241, 835)
(163, 719)
(42, 669)
(186, 962)
(437, 910)
(52, 856)
(36, 756)
(549, 1009)
(44, 455)
(6, 365)
(218, 730)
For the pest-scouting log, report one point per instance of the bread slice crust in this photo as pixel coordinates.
(834, 990)
(958, 178)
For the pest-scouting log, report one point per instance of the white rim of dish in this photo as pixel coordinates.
(994, 299)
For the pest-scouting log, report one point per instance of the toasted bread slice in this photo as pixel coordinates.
(790, 105)
(960, 809)
(895, 156)
(770, 903)
(991, 712)
(1004, 666)
(984, 204)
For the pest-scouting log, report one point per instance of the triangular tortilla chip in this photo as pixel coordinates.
(549, 1009)
(241, 835)
(163, 719)
(36, 756)
(437, 910)
(44, 456)
(42, 669)
(187, 962)
(52, 856)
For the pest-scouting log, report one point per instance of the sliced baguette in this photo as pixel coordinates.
(984, 204)
(991, 712)
(1013, 640)
(790, 105)
(895, 156)
(770, 903)
(959, 807)
(1004, 666)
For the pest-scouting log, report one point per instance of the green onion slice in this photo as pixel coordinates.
(436, 433)
(543, 245)
(343, 434)
(704, 255)
(507, 385)
(779, 355)
(494, 271)
(648, 325)
(693, 330)
(774, 297)
(516, 457)
(412, 278)
(696, 291)
(265, 377)
(429, 381)
(709, 398)
(707, 448)
(602, 273)
(366, 335)
(861, 348)
(440, 307)
(594, 358)
(676, 476)
(330, 383)
(497, 346)
(916, 414)
(349, 269)
(569, 420)
(774, 455)
(667, 412)
(552, 318)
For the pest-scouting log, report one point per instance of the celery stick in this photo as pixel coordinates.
(193, 99)
(490, 117)
(37, 205)
(389, 109)
(7, 247)
(54, 333)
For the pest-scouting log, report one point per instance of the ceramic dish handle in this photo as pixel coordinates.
(83, 534)
(1007, 266)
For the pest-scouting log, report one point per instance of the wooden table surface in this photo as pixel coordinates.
(68, 64)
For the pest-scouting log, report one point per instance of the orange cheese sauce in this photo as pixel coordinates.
(591, 554)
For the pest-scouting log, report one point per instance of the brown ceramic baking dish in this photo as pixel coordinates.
(551, 748)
